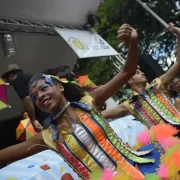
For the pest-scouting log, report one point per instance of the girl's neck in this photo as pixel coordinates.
(69, 112)
(139, 88)
(61, 111)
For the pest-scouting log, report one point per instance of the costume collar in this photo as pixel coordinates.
(134, 93)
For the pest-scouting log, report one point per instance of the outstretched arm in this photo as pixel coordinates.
(117, 112)
(128, 35)
(20, 151)
(27, 102)
(175, 69)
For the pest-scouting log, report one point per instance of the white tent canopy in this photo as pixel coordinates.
(62, 12)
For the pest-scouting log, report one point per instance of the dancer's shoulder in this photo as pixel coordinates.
(47, 137)
(88, 99)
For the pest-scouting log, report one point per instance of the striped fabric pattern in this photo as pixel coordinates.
(93, 145)
(153, 106)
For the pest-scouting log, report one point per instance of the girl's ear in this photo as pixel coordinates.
(130, 81)
(60, 86)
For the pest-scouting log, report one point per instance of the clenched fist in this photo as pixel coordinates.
(127, 34)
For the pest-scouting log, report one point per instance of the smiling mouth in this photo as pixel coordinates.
(45, 102)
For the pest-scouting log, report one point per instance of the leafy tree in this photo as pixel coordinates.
(153, 36)
(154, 39)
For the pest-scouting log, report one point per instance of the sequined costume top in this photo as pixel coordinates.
(93, 145)
(153, 106)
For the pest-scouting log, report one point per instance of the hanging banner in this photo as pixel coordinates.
(86, 44)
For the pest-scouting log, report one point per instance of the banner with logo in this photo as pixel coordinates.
(86, 44)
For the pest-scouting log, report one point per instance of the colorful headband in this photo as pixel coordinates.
(48, 79)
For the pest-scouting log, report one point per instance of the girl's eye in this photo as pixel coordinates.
(44, 87)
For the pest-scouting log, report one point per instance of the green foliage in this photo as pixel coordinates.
(154, 39)
(153, 36)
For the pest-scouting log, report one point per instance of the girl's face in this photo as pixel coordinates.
(48, 98)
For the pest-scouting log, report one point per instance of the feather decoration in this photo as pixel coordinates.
(152, 177)
(144, 137)
(163, 131)
(107, 174)
(163, 171)
(123, 176)
(166, 143)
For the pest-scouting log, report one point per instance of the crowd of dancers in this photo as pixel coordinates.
(75, 122)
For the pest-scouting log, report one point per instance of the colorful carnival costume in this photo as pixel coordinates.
(154, 106)
(93, 146)
(83, 81)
